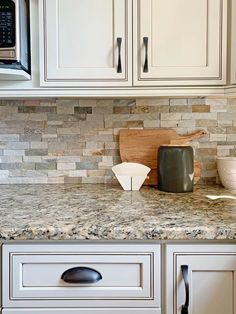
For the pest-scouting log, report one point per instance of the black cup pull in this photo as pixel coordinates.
(145, 42)
(81, 275)
(184, 269)
(119, 66)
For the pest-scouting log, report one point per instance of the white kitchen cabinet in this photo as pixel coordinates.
(233, 43)
(175, 43)
(129, 277)
(181, 42)
(209, 271)
(85, 43)
(81, 311)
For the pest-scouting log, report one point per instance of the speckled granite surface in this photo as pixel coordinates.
(103, 212)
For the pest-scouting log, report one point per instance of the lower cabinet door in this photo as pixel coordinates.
(82, 311)
(201, 280)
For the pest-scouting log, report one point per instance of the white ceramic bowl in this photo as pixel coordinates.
(227, 171)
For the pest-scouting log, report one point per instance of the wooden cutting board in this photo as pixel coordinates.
(141, 146)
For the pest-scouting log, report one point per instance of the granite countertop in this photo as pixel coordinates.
(66, 212)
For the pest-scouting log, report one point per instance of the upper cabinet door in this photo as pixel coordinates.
(233, 43)
(85, 43)
(180, 42)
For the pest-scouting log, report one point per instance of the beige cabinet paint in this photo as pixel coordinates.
(233, 42)
(186, 42)
(211, 276)
(79, 42)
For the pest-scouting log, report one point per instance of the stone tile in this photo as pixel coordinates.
(231, 137)
(4, 173)
(217, 137)
(152, 102)
(83, 110)
(39, 145)
(73, 180)
(225, 116)
(87, 102)
(87, 165)
(36, 152)
(69, 159)
(169, 124)
(11, 152)
(121, 110)
(186, 123)
(196, 101)
(66, 165)
(57, 148)
(152, 124)
(199, 116)
(11, 159)
(93, 152)
(206, 123)
(105, 165)
(216, 130)
(201, 108)
(111, 145)
(170, 116)
(93, 180)
(36, 109)
(8, 109)
(14, 145)
(9, 137)
(37, 116)
(180, 108)
(34, 159)
(216, 101)
(231, 130)
(95, 145)
(26, 173)
(96, 173)
(66, 106)
(56, 180)
(24, 180)
(78, 173)
(46, 166)
(225, 123)
(178, 101)
(68, 130)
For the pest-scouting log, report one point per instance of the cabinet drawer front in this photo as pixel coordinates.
(82, 311)
(36, 277)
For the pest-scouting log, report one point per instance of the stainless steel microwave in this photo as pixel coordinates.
(14, 34)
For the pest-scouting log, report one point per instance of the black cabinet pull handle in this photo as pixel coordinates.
(145, 42)
(119, 66)
(184, 269)
(81, 275)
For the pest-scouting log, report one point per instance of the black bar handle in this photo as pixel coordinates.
(145, 42)
(81, 275)
(184, 269)
(119, 66)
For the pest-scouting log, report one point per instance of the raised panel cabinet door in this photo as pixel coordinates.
(85, 43)
(233, 42)
(202, 282)
(181, 42)
(81, 311)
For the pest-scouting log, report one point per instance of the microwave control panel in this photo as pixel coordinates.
(7, 24)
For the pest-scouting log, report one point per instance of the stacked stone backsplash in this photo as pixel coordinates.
(74, 141)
